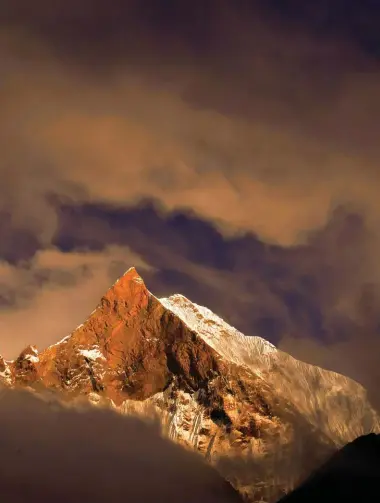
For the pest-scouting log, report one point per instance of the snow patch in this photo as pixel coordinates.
(222, 337)
(31, 355)
(92, 354)
(62, 341)
(32, 358)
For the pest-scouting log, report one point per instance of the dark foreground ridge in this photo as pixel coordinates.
(351, 475)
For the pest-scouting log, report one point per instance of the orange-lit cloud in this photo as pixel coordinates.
(274, 159)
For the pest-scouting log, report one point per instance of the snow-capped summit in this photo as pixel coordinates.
(216, 390)
(226, 340)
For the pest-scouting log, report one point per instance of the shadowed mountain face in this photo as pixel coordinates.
(350, 476)
(213, 389)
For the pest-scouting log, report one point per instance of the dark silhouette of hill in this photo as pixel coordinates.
(351, 475)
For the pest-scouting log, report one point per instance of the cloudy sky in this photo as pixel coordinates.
(227, 149)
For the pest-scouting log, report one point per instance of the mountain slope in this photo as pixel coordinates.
(326, 398)
(214, 389)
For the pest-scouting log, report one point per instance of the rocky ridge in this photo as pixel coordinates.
(214, 389)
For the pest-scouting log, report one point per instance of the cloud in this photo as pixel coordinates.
(248, 135)
(72, 455)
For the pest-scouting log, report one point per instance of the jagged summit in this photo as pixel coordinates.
(129, 287)
(130, 275)
(215, 389)
(29, 353)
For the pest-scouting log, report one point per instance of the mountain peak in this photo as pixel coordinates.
(131, 275)
(214, 389)
(29, 353)
(129, 289)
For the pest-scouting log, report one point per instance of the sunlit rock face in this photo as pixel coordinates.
(226, 395)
